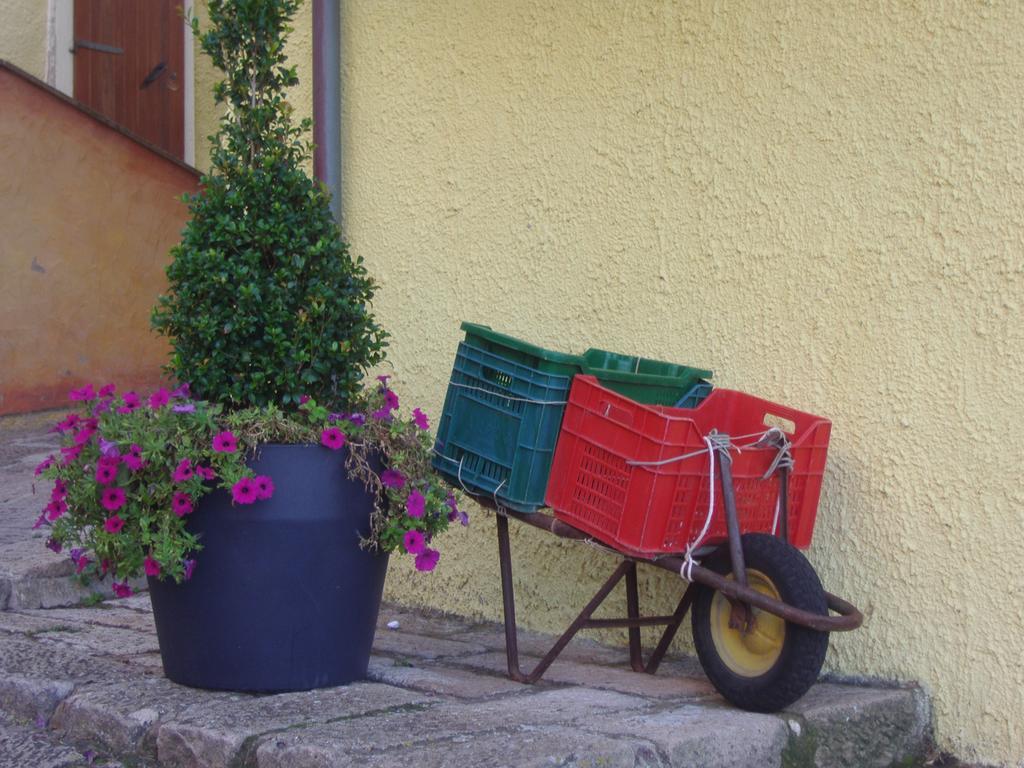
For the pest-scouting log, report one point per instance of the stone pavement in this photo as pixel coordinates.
(84, 686)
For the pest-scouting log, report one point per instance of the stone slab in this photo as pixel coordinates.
(440, 680)
(32, 699)
(217, 733)
(407, 644)
(104, 615)
(26, 746)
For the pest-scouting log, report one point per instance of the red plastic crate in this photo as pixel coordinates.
(650, 510)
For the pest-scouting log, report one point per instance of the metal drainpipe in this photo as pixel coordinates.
(327, 98)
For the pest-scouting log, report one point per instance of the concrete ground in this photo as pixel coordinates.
(84, 686)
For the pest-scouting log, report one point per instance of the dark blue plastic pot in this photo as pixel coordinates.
(282, 597)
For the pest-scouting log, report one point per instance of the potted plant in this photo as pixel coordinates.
(261, 499)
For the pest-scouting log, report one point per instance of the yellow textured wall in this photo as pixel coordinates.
(23, 35)
(823, 202)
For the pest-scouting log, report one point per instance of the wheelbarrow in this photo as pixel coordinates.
(760, 617)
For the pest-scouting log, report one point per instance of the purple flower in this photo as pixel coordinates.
(54, 545)
(225, 442)
(121, 590)
(44, 465)
(415, 504)
(303, 399)
(357, 419)
(427, 559)
(84, 435)
(383, 380)
(85, 393)
(183, 472)
(184, 408)
(382, 414)
(392, 478)
(108, 448)
(455, 513)
(159, 399)
(151, 566)
(181, 392)
(59, 490)
(112, 499)
(102, 406)
(113, 524)
(333, 438)
(107, 390)
(413, 542)
(207, 473)
(420, 419)
(244, 491)
(391, 400)
(181, 504)
(189, 565)
(82, 563)
(264, 487)
(40, 521)
(131, 402)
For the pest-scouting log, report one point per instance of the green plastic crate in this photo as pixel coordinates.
(651, 382)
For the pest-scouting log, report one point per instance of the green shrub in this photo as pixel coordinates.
(265, 302)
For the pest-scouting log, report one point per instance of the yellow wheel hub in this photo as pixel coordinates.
(752, 652)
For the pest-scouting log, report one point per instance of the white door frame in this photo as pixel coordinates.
(60, 62)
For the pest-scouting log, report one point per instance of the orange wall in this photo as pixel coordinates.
(87, 217)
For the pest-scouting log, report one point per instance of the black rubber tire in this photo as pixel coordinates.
(803, 650)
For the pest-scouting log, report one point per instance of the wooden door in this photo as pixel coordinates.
(129, 60)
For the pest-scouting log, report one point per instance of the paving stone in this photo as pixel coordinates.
(441, 680)
(850, 725)
(531, 748)
(138, 602)
(399, 643)
(32, 699)
(107, 615)
(213, 734)
(340, 742)
(596, 676)
(583, 650)
(36, 658)
(704, 736)
(432, 623)
(124, 717)
(26, 746)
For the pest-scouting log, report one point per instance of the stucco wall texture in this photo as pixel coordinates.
(23, 35)
(87, 217)
(824, 203)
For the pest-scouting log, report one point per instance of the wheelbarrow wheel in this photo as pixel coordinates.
(771, 663)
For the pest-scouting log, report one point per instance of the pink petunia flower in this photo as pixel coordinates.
(333, 438)
(70, 453)
(182, 504)
(420, 419)
(81, 563)
(264, 487)
(113, 524)
(183, 472)
(415, 504)
(84, 435)
(107, 390)
(384, 379)
(121, 590)
(427, 559)
(106, 473)
(244, 491)
(85, 393)
(303, 399)
(40, 521)
(413, 542)
(151, 566)
(133, 459)
(159, 399)
(391, 400)
(44, 465)
(112, 499)
(206, 473)
(131, 402)
(225, 442)
(54, 545)
(67, 424)
(392, 478)
(59, 491)
(55, 509)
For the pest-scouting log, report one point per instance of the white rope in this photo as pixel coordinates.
(686, 569)
(758, 445)
(508, 397)
(775, 520)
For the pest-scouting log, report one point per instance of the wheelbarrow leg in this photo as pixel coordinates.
(670, 630)
(636, 658)
(741, 615)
